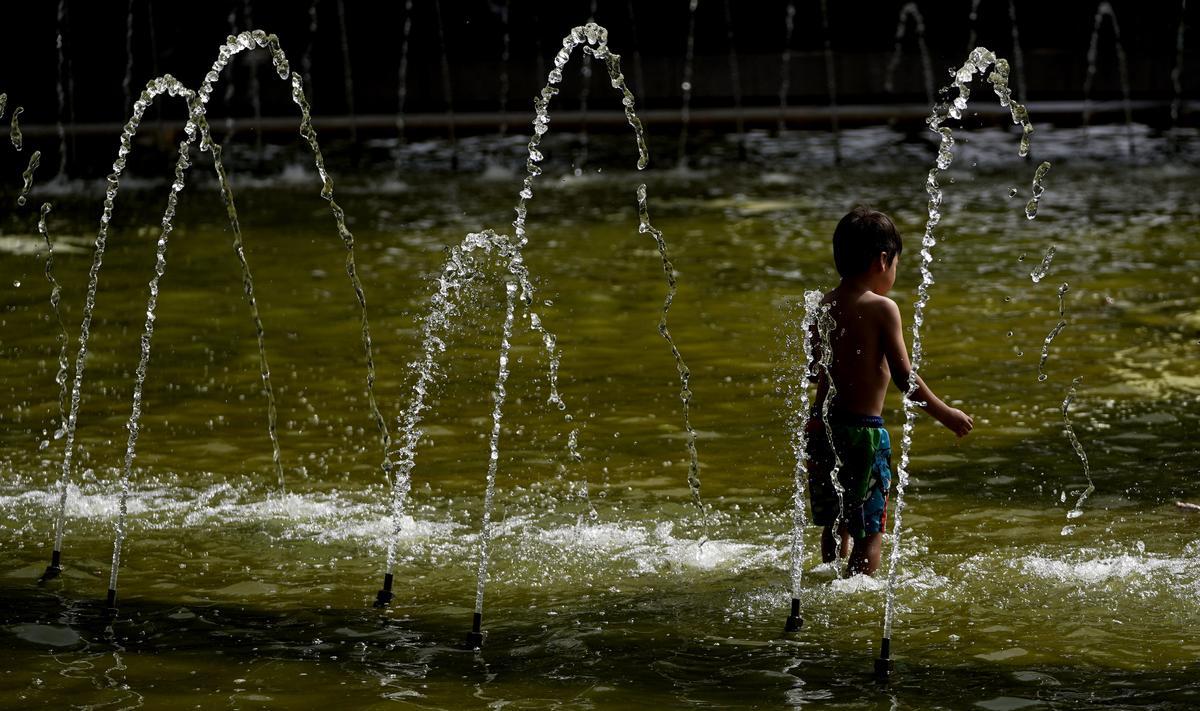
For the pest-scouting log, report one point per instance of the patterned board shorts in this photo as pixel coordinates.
(865, 451)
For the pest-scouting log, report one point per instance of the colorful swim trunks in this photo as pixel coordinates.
(865, 451)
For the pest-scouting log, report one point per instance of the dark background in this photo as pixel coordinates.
(1054, 36)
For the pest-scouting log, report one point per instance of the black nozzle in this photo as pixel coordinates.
(794, 620)
(476, 635)
(53, 570)
(384, 596)
(111, 603)
(884, 666)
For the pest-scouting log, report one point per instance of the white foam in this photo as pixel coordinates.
(1099, 570)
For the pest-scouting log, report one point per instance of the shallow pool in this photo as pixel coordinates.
(601, 595)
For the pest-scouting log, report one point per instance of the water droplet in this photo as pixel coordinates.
(1022, 257)
(1042, 378)
(686, 86)
(1012, 192)
(17, 284)
(1010, 333)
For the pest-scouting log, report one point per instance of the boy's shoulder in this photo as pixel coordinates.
(866, 303)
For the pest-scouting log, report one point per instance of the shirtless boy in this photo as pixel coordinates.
(868, 350)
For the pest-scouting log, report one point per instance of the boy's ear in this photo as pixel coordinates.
(883, 262)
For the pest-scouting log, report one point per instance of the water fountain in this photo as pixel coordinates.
(639, 79)
(502, 100)
(979, 62)
(585, 74)
(910, 12)
(1017, 54)
(447, 90)
(796, 381)
(60, 378)
(66, 91)
(785, 64)
(458, 271)
(1177, 71)
(660, 584)
(685, 86)
(197, 127)
(35, 160)
(306, 58)
(831, 82)
(14, 129)
(735, 83)
(347, 71)
(402, 80)
(1104, 10)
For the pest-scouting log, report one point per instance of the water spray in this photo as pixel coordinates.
(979, 61)
(796, 402)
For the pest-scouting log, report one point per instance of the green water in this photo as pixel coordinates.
(234, 596)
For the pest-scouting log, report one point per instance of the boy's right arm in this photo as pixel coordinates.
(896, 352)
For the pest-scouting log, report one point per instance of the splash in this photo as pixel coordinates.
(498, 396)
(1018, 54)
(170, 85)
(1062, 323)
(825, 325)
(1039, 187)
(979, 61)
(460, 270)
(1039, 272)
(14, 129)
(685, 374)
(35, 161)
(1077, 510)
(60, 378)
(3, 103)
(797, 403)
(197, 127)
(585, 73)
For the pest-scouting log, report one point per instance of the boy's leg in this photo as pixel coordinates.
(865, 558)
(830, 545)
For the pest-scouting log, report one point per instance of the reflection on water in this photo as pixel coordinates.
(235, 596)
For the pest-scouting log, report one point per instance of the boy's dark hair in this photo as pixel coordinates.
(859, 238)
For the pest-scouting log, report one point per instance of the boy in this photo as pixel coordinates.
(868, 350)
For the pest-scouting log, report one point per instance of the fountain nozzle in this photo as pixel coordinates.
(476, 635)
(384, 596)
(884, 666)
(110, 604)
(53, 570)
(794, 620)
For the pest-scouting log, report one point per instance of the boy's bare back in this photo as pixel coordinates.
(860, 367)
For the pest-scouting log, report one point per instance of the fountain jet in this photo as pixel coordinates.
(979, 62)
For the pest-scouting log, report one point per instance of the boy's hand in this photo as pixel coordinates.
(958, 422)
